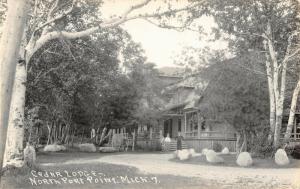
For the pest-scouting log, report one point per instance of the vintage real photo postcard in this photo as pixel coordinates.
(130, 94)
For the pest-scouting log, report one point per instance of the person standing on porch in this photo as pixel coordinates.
(179, 141)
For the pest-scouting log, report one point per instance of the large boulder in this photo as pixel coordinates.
(183, 154)
(175, 154)
(29, 155)
(281, 157)
(204, 151)
(54, 148)
(225, 151)
(244, 159)
(212, 157)
(87, 147)
(192, 152)
(107, 149)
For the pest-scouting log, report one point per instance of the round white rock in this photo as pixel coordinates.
(54, 148)
(87, 147)
(244, 159)
(175, 154)
(183, 154)
(192, 152)
(204, 151)
(212, 157)
(225, 151)
(281, 157)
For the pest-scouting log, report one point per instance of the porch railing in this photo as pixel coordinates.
(210, 134)
(294, 136)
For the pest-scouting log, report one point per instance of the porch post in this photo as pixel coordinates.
(185, 124)
(133, 139)
(295, 129)
(198, 126)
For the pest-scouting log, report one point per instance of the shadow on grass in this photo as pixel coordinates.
(22, 180)
(70, 155)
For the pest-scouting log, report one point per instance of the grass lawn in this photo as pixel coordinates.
(230, 160)
(91, 175)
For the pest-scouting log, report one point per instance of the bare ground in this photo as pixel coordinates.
(171, 174)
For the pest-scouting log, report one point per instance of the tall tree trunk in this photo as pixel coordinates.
(15, 134)
(272, 115)
(278, 84)
(292, 112)
(238, 143)
(279, 108)
(9, 48)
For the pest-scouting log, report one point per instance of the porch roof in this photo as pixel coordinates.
(188, 105)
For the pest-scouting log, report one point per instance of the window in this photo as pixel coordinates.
(203, 125)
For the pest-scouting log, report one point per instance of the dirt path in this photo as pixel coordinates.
(160, 164)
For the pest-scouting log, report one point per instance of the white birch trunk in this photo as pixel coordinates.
(271, 97)
(292, 112)
(15, 134)
(279, 91)
(279, 109)
(9, 49)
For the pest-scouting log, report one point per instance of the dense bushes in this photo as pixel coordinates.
(217, 147)
(261, 147)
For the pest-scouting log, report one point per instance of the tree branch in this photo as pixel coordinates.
(253, 34)
(288, 49)
(52, 9)
(134, 7)
(48, 36)
(177, 28)
(58, 17)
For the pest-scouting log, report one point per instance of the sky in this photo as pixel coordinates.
(162, 46)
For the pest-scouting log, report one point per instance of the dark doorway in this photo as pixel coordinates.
(168, 128)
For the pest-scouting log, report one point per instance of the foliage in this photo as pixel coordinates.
(261, 147)
(235, 94)
(78, 82)
(217, 147)
(246, 22)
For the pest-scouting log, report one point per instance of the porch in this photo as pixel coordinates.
(198, 133)
(295, 134)
(193, 126)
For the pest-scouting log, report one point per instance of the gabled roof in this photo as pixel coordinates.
(193, 81)
(191, 101)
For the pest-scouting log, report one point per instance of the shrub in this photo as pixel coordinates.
(261, 147)
(217, 147)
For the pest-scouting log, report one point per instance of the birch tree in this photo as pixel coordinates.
(52, 20)
(293, 107)
(268, 26)
(9, 48)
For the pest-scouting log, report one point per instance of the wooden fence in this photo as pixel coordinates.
(199, 144)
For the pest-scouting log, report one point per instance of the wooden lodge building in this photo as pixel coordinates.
(181, 113)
